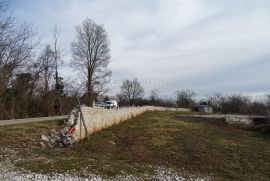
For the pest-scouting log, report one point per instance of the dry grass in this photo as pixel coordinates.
(150, 140)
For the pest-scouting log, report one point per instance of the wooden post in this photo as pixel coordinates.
(80, 125)
(82, 118)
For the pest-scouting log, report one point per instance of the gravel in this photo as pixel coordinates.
(9, 172)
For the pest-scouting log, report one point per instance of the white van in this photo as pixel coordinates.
(111, 104)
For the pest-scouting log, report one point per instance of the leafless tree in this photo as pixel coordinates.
(73, 87)
(43, 73)
(184, 98)
(56, 55)
(122, 100)
(154, 96)
(267, 101)
(257, 107)
(59, 86)
(215, 101)
(48, 64)
(17, 44)
(91, 55)
(14, 55)
(132, 90)
(236, 103)
(16, 48)
(42, 69)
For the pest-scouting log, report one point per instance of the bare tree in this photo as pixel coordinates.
(16, 52)
(154, 96)
(122, 100)
(16, 48)
(48, 64)
(73, 88)
(184, 98)
(236, 103)
(258, 107)
(267, 101)
(132, 90)
(56, 56)
(91, 55)
(215, 101)
(59, 85)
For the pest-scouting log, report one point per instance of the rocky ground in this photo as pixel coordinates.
(9, 172)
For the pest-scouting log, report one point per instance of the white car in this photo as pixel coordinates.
(111, 104)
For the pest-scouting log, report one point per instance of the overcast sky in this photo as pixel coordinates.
(205, 45)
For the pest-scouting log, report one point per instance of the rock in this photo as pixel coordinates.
(50, 145)
(54, 136)
(63, 137)
(61, 132)
(45, 138)
(42, 144)
(112, 142)
(65, 129)
(53, 140)
(53, 132)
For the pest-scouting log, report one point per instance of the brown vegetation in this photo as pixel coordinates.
(156, 139)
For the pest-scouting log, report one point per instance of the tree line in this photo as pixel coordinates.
(226, 104)
(31, 86)
(132, 94)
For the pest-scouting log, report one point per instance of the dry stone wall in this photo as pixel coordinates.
(99, 118)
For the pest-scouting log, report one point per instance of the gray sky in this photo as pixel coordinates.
(205, 45)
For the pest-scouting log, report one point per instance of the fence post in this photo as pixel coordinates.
(82, 119)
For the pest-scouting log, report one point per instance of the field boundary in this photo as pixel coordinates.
(31, 120)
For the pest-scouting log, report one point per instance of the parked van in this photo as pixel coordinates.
(111, 104)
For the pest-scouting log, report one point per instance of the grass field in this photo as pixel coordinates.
(151, 140)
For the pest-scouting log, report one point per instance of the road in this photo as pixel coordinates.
(31, 120)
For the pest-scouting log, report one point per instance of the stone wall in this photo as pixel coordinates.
(99, 118)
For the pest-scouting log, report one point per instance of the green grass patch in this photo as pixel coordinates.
(155, 139)
(13, 135)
